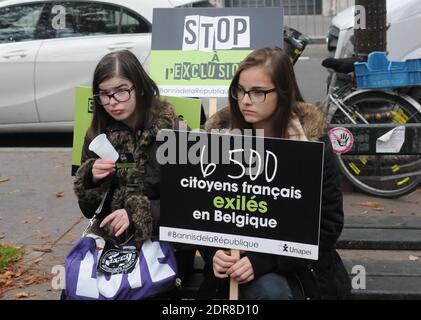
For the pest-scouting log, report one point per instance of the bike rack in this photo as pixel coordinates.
(366, 135)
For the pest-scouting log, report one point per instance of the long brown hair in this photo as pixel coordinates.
(126, 65)
(281, 71)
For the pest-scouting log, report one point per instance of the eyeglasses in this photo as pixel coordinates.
(120, 96)
(255, 95)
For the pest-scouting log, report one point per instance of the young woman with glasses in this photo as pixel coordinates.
(264, 95)
(128, 109)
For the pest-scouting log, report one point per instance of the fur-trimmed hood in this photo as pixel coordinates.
(311, 119)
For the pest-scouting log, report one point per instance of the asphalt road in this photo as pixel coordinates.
(311, 76)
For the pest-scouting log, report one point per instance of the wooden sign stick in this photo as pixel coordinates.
(212, 106)
(234, 253)
(234, 284)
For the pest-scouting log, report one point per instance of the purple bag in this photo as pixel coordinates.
(151, 271)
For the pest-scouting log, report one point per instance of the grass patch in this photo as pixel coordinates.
(8, 255)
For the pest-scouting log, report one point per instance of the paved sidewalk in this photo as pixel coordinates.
(39, 212)
(34, 217)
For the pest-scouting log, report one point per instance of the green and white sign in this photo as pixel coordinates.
(201, 51)
(187, 109)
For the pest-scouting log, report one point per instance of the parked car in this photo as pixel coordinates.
(403, 40)
(47, 48)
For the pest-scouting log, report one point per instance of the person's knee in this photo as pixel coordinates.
(270, 286)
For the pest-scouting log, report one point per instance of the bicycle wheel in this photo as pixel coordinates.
(388, 176)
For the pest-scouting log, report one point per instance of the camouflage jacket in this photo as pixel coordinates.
(135, 189)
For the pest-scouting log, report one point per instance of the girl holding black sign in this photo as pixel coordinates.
(264, 95)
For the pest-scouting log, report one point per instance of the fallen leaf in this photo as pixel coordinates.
(31, 280)
(10, 274)
(364, 212)
(38, 260)
(378, 209)
(21, 295)
(393, 211)
(24, 221)
(42, 249)
(7, 275)
(4, 180)
(413, 258)
(371, 204)
(2, 236)
(9, 283)
(59, 194)
(40, 219)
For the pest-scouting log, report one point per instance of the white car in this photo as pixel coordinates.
(47, 48)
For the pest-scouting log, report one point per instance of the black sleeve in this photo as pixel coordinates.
(207, 254)
(262, 263)
(332, 215)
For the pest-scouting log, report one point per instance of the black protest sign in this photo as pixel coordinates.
(241, 192)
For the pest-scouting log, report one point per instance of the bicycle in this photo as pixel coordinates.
(295, 43)
(382, 175)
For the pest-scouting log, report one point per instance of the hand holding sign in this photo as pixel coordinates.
(241, 271)
(228, 264)
(222, 261)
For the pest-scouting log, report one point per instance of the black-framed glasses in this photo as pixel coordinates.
(122, 95)
(255, 95)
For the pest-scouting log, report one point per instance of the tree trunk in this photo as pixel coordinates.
(370, 35)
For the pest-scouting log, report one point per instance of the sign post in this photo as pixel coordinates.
(234, 284)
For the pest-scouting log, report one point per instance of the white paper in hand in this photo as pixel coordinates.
(103, 148)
